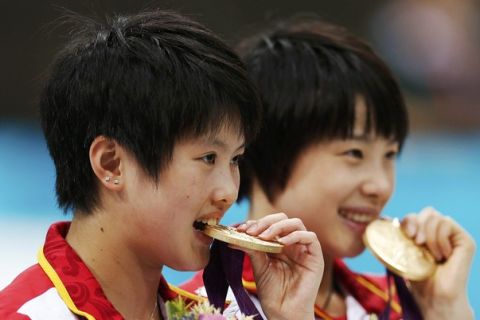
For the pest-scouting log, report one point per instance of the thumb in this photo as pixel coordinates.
(463, 250)
(259, 262)
(258, 259)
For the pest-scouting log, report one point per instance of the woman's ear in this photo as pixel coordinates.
(106, 161)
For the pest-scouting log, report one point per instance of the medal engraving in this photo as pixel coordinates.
(397, 252)
(232, 236)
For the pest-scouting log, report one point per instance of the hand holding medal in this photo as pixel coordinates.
(398, 252)
(435, 253)
(286, 281)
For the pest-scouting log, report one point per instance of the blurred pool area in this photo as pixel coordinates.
(437, 169)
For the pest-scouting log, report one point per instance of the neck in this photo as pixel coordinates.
(128, 284)
(327, 287)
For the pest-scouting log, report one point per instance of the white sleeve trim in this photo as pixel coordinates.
(47, 306)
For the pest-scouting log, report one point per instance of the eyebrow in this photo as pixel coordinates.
(365, 138)
(221, 144)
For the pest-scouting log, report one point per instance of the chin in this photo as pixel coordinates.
(197, 261)
(356, 251)
(350, 251)
(194, 261)
(200, 264)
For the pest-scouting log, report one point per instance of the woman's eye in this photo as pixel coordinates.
(355, 153)
(391, 155)
(209, 158)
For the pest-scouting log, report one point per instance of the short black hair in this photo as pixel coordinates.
(309, 74)
(145, 80)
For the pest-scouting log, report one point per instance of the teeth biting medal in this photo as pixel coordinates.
(232, 236)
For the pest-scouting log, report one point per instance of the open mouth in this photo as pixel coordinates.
(356, 216)
(201, 224)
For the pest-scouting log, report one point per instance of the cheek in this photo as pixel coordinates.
(311, 204)
(237, 178)
(327, 192)
(391, 180)
(310, 190)
(184, 191)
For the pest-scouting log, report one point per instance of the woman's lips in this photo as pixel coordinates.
(357, 220)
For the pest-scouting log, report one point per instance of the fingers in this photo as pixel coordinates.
(410, 224)
(272, 226)
(444, 231)
(286, 231)
(431, 229)
(255, 227)
(430, 226)
(300, 237)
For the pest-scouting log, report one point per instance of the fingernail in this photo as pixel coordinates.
(242, 226)
(410, 230)
(252, 228)
(265, 233)
(420, 238)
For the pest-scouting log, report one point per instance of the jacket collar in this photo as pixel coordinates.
(75, 283)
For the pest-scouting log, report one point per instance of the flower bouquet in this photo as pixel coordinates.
(179, 310)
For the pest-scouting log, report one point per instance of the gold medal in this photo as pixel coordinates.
(397, 251)
(232, 236)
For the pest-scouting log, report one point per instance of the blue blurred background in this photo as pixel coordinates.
(433, 48)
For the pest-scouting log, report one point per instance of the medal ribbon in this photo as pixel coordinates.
(410, 309)
(223, 270)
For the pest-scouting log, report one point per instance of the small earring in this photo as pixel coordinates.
(116, 181)
(107, 179)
